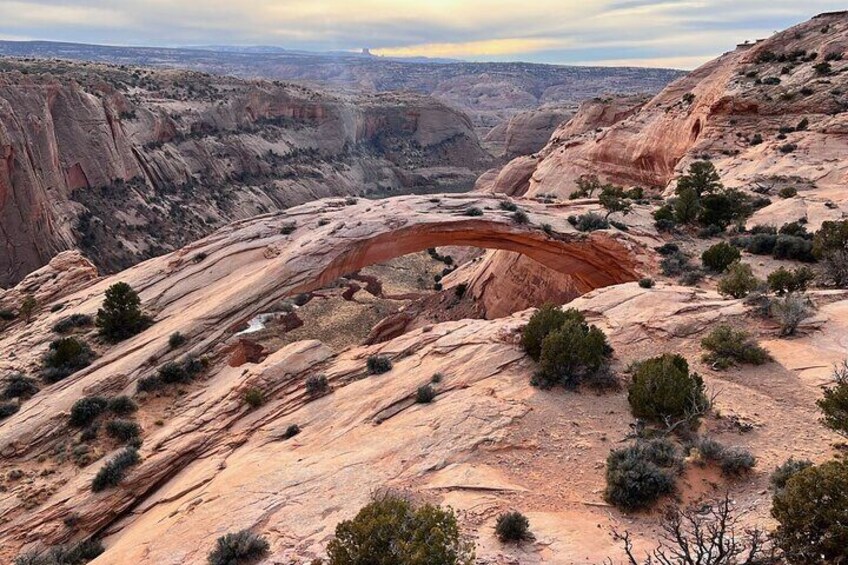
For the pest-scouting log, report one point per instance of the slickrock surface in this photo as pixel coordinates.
(130, 163)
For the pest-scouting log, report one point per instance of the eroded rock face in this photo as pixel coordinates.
(65, 274)
(718, 110)
(129, 164)
(527, 132)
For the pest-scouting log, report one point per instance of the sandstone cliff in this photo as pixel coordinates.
(128, 163)
(769, 115)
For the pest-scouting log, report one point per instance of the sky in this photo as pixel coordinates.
(662, 33)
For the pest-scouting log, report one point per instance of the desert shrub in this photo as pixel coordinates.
(787, 192)
(122, 430)
(520, 217)
(288, 228)
(176, 339)
(668, 249)
(783, 280)
(812, 512)
(508, 206)
(639, 475)
(254, 397)
(120, 316)
(691, 277)
(19, 386)
(834, 403)
(437, 378)
(172, 373)
(793, 248)
(789, 469)
(788, 148)
(733, 461)
(8, 408)
(512, 527)
(121, 405)
(756, 243)
(317, 385)
(240, 547)
(85, 410)
(736, 461)
(615, 199)
(756, 139)
(738, 280)
(572, 351)
(590, 222)
(74, 554)
(720, 256)
(73, 321)
(646, 282)
(114, 471)
(460, 290)
(399, 532)
(544, 321)
(665, 218)
(291, 431)
(790, 311)
(65, 356)
(830, 245)
(27, 308)
(425, 394)
(727, 347)
(473, 211)
(378, 364)
(663, 389)
(675, 264)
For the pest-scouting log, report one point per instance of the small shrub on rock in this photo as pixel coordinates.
(122, 405)
(72, 322)
(572, 353)
(738, 281)
(65, 357)
(19, 386)
(787, 192)
(675, 264)
(378, 364)
(254, 397)
(238, 548)
(317, 385)
(639, 475)
(736, 461)
(727, 347)
(176, 340)
(508, 206)
(646, 283)
(114, 471)
(86, 410)
(663, 389)
(425, 394)
(512, 527)
(8, 408)
(473, 211)
(74, 554)
(591, 222)
(123, 430)
(544, 321)
(719, 257)
(520, 217)
(291, 431)
(399, 532)
(790, 311)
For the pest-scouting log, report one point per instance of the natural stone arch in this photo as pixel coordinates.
(208, 290)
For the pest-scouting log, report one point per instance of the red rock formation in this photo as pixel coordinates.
(152, 160)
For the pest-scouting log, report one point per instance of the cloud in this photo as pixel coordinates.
(646, 32)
